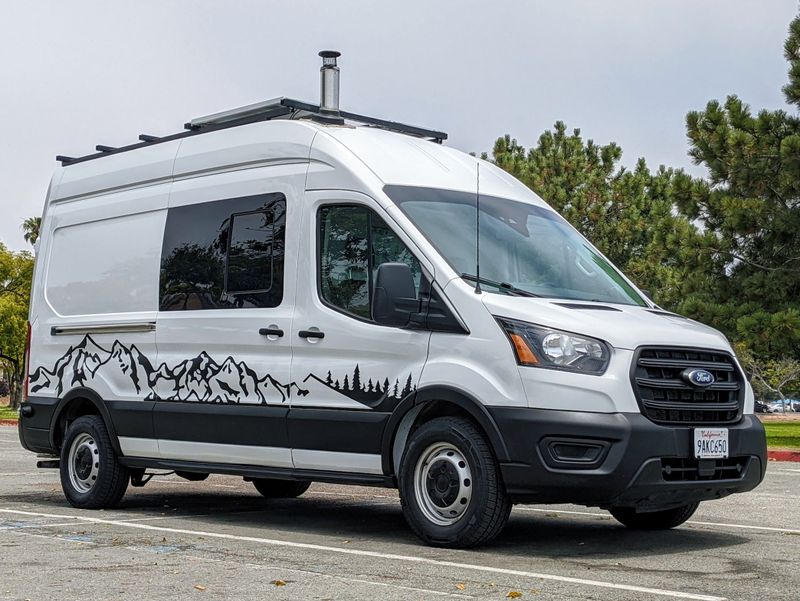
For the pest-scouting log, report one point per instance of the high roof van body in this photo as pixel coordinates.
(303, 299)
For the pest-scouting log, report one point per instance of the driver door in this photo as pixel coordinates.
(350, 372)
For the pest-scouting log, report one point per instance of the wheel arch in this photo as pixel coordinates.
(433, 402)
(77, 402)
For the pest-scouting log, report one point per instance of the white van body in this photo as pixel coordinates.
(255, 390)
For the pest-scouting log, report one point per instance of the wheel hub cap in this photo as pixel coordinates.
(83, 462)
(443, 484)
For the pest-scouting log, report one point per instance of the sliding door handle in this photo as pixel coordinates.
(271, 332)
(311, 334)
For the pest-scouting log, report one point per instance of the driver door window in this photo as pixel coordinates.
(353, 242)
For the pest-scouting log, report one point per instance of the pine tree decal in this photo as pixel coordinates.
(372, 393)
(407, 387)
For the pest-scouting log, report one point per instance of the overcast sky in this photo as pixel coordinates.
(76, 74)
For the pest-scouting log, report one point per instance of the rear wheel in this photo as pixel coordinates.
(451, 490)
(654, 520)
(281, 489)
(91, 476)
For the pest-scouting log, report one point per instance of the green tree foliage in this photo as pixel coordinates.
(16, 273)
(750, 208)
(770, 377)
(30, 229)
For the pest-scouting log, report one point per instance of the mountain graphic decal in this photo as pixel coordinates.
(201, 379)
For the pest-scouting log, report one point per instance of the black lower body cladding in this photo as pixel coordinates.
(621, 459)
(34, 428)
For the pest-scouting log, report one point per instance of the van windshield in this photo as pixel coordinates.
(523, 246)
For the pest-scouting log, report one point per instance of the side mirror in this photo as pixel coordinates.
(394, 297)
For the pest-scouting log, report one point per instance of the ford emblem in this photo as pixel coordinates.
(698, 377)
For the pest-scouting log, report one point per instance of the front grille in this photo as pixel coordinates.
(694, 470)
(666, 398)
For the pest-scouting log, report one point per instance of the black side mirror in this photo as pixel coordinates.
(394, 297)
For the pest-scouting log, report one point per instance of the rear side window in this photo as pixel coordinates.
(353, 242)
(224, 254)
(107, 266)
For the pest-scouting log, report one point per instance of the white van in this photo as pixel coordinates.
(290, 293)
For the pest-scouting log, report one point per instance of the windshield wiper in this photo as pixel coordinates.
(504, 286)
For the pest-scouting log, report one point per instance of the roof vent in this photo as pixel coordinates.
(329, 88)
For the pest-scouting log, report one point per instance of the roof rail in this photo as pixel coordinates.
(277, 108)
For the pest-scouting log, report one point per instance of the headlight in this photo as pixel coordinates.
(538, 346)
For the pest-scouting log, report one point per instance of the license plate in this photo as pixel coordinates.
(711, 443)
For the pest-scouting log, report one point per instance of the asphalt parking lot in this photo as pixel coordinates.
(219, 539)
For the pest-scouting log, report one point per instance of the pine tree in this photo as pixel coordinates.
(356, 378)
(336, 385)
(750, 209)
(328, 380)
(386, 386)
(346, 384)
(396, 393)
(369, 386)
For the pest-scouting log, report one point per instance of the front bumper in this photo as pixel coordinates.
(621, 459)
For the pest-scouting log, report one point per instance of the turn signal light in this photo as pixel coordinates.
(524, 353)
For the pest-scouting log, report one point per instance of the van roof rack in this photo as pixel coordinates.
(277, 108)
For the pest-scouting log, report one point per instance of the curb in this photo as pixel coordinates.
(783, 455)
(8, 422)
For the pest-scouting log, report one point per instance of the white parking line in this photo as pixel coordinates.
(693, 522)
(389, 556)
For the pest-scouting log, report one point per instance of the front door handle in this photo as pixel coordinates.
(271, 332)
(311, 334)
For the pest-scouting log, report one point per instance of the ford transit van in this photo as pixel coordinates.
(293, 293)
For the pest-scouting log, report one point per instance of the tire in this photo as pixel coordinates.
(654, 520)
(91, 475)
(451, 490)
(281, 489)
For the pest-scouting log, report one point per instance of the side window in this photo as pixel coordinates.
(224, 254)
(353, 242)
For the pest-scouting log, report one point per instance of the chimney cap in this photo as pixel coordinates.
(330, 54)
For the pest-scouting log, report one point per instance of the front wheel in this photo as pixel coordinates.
(654, 520)
(451, 490)
(91, 476)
